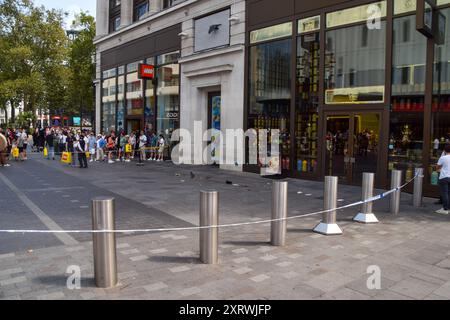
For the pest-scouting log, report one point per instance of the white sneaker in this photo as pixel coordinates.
(117, 160)
(91, 160)
(128, 160)
(110, 162)
(442, 211)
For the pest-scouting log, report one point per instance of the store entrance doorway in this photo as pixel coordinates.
(352, 145)
(133, 126)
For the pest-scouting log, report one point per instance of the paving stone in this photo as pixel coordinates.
(190, 291)
(155, 287)
(157, 251)
(414, 288)
(52, 296)
(260, 278)
(242, 260)
(268, 258)
(242, 270)
(12, 281)
(179, 269)
(139, 258)
(239, 251)
(128, 252)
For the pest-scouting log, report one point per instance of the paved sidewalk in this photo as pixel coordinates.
(411, 249)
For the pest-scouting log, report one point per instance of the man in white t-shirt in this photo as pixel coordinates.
(444, 180)
(142, 144)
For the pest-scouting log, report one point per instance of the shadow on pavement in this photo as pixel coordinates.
(62, 281)
(172, 259)
(247, 243)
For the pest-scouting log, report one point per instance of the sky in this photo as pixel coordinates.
(71, 6)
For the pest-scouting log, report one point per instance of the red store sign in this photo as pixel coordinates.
(146, 71)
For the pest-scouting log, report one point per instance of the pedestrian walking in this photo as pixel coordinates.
(444, 180)
(110, 147)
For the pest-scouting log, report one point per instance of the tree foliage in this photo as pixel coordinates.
(39, 67)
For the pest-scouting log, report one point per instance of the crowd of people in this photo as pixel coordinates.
(84, 145)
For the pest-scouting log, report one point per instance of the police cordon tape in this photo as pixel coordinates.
(372, 199)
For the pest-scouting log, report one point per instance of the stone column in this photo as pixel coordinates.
(102, 23)
(155, 6)
(126, 13)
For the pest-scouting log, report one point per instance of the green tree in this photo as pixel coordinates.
(34, 50)
(80, 97)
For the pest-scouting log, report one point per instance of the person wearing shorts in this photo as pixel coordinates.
(162, 145)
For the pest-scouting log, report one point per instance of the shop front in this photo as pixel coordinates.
(353, 87)
(132, 102)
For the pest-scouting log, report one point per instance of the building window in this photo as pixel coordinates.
(150, 100)
(307, 103)
(115, 24)
(270, 92)
(140, 9)
(109, 105)
(355, 65)
(440, 125)
(121, 103)
(408, 97)
(134, 99)
(168, 94)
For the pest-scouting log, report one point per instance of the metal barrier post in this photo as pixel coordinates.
(418, 188)
(328, 225)
(279, 211)
(105, 259)
(209, 237)
(366, 215)
(396, 181)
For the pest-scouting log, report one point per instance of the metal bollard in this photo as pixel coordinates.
(366, 215)
(209, 216)
(396, 181)
(328, 225)
(105, 259)
(418, 188)
(279, 211)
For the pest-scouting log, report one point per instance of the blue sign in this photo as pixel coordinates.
(76, 121)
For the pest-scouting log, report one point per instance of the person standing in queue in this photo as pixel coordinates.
(81, 149)
(444, 180)
(49, 141)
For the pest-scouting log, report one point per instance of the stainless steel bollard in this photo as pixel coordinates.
(418, 188)
(105, 259)
(209, 216)
(279, 211)
(328, 225)
(366, 215)
(396, 182)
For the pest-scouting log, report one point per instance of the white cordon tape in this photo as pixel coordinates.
(376, 198)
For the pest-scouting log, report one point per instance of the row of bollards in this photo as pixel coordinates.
(103, 218)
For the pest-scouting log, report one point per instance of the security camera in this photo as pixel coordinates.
(233, 19)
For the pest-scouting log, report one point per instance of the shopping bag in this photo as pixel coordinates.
(128, 148)
(15, 152)
(88, 154)
(45, 152)
(66, 157)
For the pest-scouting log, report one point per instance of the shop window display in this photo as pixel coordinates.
(440, 125)
(307, 101)
(270, 93)
(408, 97)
